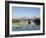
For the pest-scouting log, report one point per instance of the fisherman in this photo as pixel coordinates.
(29, 21)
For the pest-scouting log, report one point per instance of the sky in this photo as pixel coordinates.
(18, 12)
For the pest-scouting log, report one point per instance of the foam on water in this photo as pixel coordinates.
(25, 27)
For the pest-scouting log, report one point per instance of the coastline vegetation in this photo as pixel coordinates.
(37, 21)
(18, 21)
(15, 20)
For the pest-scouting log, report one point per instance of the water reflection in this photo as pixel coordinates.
(25, 27)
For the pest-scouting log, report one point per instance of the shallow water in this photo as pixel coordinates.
(25, 27)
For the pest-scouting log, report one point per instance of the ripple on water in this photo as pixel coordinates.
(25, 27)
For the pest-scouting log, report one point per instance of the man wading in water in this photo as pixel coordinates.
(29, 22)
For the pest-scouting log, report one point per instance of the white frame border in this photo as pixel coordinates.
(25, 32)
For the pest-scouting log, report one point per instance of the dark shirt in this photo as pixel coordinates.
(29, 21)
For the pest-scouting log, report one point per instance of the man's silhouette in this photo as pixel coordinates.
(29, 21)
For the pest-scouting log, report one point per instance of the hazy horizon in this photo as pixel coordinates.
(28, 12)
